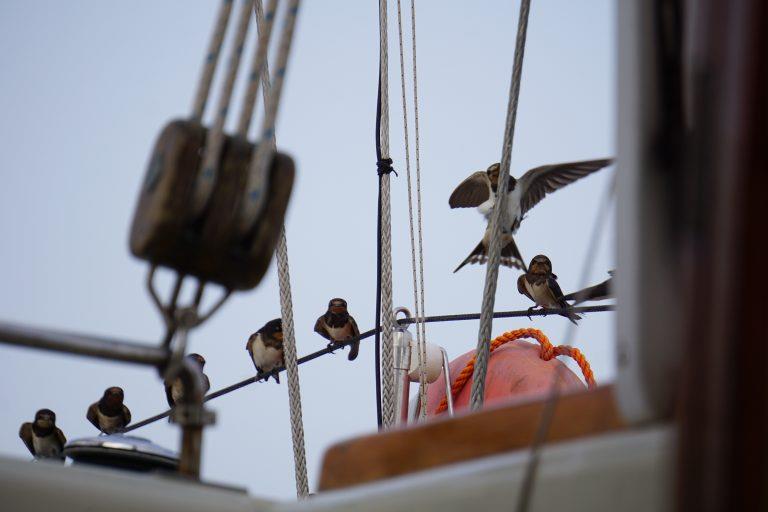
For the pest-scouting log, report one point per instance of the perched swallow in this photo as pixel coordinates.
(337, 325)
(266, 347)
(540, 285)
(600, 291)
(43, 439)
(174, 390)
(109, 414)
(480, 190)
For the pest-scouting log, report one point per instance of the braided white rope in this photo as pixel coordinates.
(498, 218)
(215, 139)
(211, 59)
(286, 313)
(257, 174)
(420, 339)
(265, 22)
(291, 368)
(388, 320)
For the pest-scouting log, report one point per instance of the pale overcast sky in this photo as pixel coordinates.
(87, 86)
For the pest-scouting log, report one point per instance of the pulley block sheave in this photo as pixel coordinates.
(167, 231)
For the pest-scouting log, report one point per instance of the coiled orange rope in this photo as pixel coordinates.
(547, 352)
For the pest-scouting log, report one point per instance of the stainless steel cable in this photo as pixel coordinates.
(498, 218)
(83, 346)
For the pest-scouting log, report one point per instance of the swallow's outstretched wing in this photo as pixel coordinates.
(540, 181)
(472, 192)
(600, 291)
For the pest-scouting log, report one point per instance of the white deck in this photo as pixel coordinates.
(628, 471)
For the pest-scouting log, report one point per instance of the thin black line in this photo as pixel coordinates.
(377, 344)
(367, 334)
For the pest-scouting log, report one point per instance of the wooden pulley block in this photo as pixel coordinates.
(167, 232)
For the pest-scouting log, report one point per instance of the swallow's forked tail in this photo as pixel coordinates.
(570, 314)
(510, 256)
(354, 348)
(477, 255)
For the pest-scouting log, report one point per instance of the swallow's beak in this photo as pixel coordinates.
(279, 336)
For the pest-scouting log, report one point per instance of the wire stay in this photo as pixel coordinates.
(261, 376)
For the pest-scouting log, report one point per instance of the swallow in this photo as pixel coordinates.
(600, 291)
(338, 326)
(480, 190)
(42, 437)
(266, 347)
(109, 414)
(540, 285)
(174, 390)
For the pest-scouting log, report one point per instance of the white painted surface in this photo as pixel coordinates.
(629, 471)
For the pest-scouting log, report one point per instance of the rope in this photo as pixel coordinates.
(367, 334)
(411, 230)
(547, 352)
(422, 369)
(257, 174)
(289, 349)
(499, 212)
(258, 64)
(417, 291)
(215, 139)
(286, 312)
(211, 59)
(385, 376)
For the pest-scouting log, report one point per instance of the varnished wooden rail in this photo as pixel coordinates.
(464, 437)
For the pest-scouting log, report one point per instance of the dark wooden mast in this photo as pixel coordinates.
(723, 414)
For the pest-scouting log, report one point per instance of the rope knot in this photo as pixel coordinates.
(384, 166)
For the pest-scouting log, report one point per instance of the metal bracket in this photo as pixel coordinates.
(401, 351)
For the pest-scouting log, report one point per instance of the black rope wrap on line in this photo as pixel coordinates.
(367, 334)
(384, 166)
